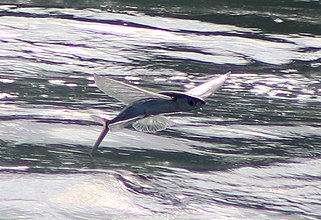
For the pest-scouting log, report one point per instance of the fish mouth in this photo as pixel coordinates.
(202, 102)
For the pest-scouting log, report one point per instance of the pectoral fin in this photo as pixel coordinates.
(152, 124)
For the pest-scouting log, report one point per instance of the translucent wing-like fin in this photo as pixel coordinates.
(152, 124)
(124, 92)
(208, 88)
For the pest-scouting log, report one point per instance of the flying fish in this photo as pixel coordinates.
(145, 109)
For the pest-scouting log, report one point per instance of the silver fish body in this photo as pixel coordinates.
(153, 106)
(143, 104)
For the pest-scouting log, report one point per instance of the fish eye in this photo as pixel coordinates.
(191, 102)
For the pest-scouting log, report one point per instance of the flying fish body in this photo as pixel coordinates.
(144, 110)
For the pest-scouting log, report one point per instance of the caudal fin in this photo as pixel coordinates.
(102, 134)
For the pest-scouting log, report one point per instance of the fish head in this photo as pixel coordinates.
(185, 102)
(189, 103)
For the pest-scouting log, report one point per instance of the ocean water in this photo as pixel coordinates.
(253, 152)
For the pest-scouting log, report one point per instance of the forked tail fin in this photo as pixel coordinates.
(102, 135)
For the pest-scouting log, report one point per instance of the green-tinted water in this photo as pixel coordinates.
(252, 151)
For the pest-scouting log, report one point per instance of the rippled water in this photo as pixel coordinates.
(252, 152)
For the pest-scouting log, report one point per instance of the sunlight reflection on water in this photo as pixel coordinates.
(251, 151)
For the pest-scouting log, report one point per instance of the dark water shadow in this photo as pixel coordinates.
(76, 158)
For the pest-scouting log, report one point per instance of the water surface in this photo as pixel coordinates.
(253, 150)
